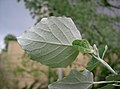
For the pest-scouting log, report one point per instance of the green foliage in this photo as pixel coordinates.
(112, 77)
(75, 80)
(93, 63)
(52, 39)
(8, 38)
(95, 27)
(44, 37)
(83, 46)
(109, 86)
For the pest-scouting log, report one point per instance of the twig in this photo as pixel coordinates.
(101, 82)
(105, 64)
(97, 56)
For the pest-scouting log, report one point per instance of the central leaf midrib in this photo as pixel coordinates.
(47, 42)
(85, 82)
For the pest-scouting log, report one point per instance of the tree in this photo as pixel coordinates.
(92, 25)
(56, 50)
(8, 38)
(98, 21)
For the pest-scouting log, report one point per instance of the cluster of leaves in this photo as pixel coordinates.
(53, 42)
(97, 28)
(83, 12)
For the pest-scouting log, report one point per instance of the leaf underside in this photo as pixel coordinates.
(50, 41)
(75, 80)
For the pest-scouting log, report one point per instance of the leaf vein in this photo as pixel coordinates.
(57, 54)
(61, 30)
(67, 27)
(46, 42)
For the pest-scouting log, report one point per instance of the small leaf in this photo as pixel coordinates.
(94, 62)
(108, 86)
(83, 46)
(50, 41)
(112, 77)
(75, 80)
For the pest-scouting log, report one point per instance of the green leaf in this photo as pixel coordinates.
(50, 41)
(109, 86)
(93, 63)
(75, 80)
(83, 46)
(112, 77)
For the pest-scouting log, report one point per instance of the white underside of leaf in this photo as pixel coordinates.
(50, 41)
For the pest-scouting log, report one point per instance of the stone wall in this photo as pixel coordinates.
(16, 57)
(22, 71)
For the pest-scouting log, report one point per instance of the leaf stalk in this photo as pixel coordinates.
(105, 64)
(101, 82)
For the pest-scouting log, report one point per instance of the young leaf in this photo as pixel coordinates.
(94, 62)
(50, 41)
(83, 46)
(112, 77)
(108, 86)
(75, 80)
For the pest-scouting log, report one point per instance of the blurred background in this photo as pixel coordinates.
(97, 20)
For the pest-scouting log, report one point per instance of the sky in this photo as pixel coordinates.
(14, 19)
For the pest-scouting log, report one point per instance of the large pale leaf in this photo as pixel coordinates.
(75, 80)
(50, 41)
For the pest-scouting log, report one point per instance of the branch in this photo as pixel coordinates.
(101, 82)
(96, 55)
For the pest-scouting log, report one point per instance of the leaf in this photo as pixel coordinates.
(112, 77)
(108, 86)
(94, 62)
(50, 41)
(83, 46)
(75, 80)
